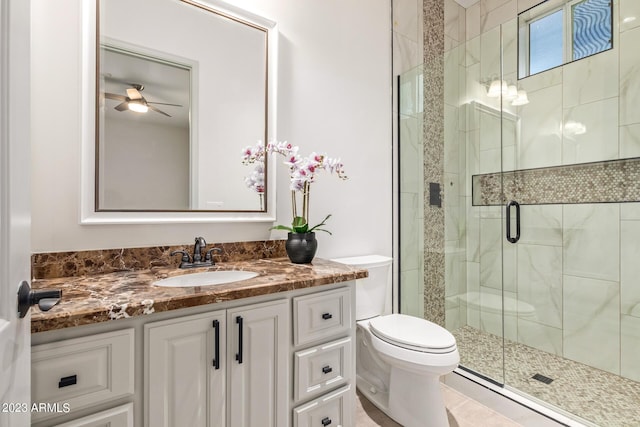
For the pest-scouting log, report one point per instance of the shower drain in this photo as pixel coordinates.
(542, 378)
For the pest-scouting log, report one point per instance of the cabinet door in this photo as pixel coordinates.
(184, 382)
(258, 363)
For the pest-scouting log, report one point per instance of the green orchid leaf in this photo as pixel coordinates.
(315, 227)
(299, 221)
(302, 229)
(321, 229)
(282, 227)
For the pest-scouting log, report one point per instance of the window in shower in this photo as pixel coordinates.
(559, 31)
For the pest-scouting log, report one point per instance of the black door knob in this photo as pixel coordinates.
(45, 299)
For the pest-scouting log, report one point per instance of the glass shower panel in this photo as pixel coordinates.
(569, 328)
(411, 194)
(474, 241)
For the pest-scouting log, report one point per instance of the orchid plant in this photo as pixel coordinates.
(302, 173)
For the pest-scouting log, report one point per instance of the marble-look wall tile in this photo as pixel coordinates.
(510, 49)
(472, 49)
(542, 80)
(629, 141)
(453, 60)
(501, 14)
(540, 336)
(455, 271)
(473, 21)
(527, 4)
(410, 154)
(472, 234)
(630, 211)
(541, 225)
(630, 347)
(591, 239)
(590, 132)
(541, 121)
(629, 77)
(590, 79)
(491, 253)
(454, 22)
(490, 55)
(411, 282)
(592, 322)
(405, 18)
(411, 245)
(630, 268)
(540, 282)
(405, 52)
(629, 14)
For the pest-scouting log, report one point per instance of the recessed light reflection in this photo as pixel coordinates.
(628, 19)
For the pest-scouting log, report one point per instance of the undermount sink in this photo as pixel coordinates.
(208, 278)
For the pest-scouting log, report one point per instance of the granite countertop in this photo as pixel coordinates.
(100, 298)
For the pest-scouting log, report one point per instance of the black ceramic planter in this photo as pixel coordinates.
(301, 247)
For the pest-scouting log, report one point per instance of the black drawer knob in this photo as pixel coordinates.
(326, 421)
(67, 381)
(326, 316)
(327, 369)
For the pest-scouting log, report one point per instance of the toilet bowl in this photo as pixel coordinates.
(399, 358)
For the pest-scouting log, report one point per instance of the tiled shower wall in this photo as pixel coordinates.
(572, 280)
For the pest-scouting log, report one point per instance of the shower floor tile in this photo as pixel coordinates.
(594, 395)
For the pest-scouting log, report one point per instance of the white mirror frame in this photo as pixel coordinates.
(88, 215)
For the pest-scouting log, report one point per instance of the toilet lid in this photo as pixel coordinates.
(413, 333)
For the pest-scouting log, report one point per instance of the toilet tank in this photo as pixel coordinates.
(373, 294)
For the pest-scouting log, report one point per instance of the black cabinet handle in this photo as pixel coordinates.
(327, 369)
(326, 421)
(216, 348)
(239, 353)
(508, 221)
(67, 381)
(326, 316)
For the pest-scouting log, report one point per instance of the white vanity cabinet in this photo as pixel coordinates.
(222, 368)
(324, 359)
(280, 360)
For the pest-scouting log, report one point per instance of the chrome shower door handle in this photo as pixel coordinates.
(508, 221)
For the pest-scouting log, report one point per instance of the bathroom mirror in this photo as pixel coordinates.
(180, 87)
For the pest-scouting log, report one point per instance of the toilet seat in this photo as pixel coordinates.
(413, 333)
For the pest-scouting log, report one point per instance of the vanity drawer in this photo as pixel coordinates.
(321, 316)
(81, 372)
(332, 410)
(321, 368)
(120, 416)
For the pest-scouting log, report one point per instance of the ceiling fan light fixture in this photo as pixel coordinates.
(138, 107)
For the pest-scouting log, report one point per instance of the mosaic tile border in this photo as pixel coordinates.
(54, 265)
(614, 181)
(433, 168)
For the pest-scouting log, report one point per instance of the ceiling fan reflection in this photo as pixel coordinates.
(134, 101)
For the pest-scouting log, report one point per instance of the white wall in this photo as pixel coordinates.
(334, 95)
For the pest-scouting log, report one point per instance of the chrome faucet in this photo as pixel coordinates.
(197, 261)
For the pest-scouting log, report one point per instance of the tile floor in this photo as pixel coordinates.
(462, 412)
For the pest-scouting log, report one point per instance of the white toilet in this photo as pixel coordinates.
(399, 358)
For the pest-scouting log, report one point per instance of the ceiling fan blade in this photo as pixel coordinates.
(133, 93)
(151, 107)
(123, 106)
(164, 103)
(115, 96)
